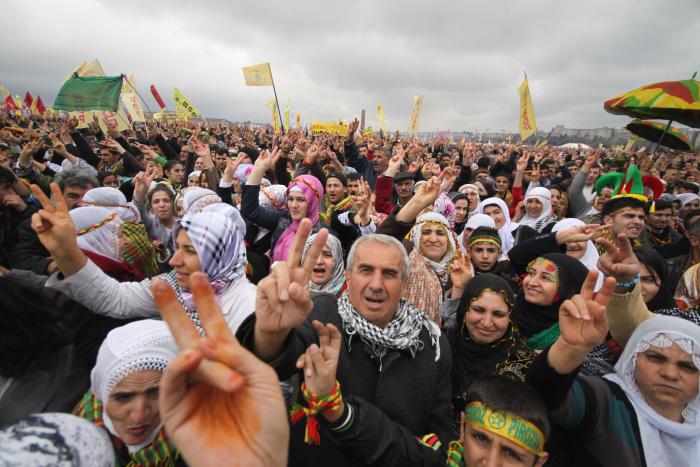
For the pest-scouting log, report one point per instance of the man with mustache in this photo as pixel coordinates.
(393, 366)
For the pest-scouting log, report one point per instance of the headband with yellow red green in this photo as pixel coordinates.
(508, 425)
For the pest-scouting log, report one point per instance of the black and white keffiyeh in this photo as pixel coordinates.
(402, 333)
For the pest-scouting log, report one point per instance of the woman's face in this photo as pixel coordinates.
(576, 249)
(133, 406)
(111, 181)
(461, 209)
(162, 205)
(324, 267)
(433, 241)
(193, 181)
(667, 378)
(649, 282)
(541, 282)
(176, 174)
(556, 198)
(473, 198)
(496, 214)
(185, 260)
(179, 210)
(204, 182)
(297, 205)
(199, 164)
(533, 207)
(487, 318)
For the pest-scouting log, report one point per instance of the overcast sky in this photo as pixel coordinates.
(330, 59)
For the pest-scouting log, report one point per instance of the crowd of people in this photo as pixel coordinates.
(213, 294)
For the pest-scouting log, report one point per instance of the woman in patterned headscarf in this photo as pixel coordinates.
(329, 272)
(434, 246)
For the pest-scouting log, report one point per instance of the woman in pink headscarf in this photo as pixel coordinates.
(304, 195)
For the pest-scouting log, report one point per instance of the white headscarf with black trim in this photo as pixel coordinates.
(590, 257)
(665, 441)
(508, 227)
(544, 196)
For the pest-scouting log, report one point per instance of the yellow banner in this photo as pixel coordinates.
(298, 120)
(131, 100)
(415, 114)
(368, 130)
(274, 112)
(3, 91)
(332, 128)
(380, 117)
(287, 117)
(528, 127)
(258, 75)
(183, 106)
(542, 143)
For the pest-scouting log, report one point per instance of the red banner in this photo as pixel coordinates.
(157, 97)
(11, 104)
(28, 99)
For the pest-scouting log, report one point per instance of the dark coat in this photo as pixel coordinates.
(29, 253)
(409, 398)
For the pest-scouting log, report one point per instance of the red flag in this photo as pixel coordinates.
(157, 97)
(40, 107)
(28, 99)
(11, 105)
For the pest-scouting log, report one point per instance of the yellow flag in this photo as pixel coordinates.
(528, 127)
(415, 114)
(258, 75)
(274, 111)
(287, 117)
(19, 102)
(131, 100)
(380, 117)
(183, 106)
(3, 91)
(298, 120)
(33, 108)
(542, 143)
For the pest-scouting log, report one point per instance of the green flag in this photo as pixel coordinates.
(89, 93)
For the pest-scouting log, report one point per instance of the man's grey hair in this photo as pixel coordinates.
(76, 177)
(382, 239)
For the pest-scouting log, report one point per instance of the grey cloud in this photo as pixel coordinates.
(333, 58)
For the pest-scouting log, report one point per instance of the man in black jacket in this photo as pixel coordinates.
(393, 365)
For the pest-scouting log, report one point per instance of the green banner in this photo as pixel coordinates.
(89, 93)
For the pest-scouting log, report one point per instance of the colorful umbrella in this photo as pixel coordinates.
(661, 133)
(677, 101)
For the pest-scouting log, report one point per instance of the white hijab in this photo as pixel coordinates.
(590, 257)
(506, 231)
(544, 196)
(196, 200)
(98, 231)
(114, 200)
(476, 220)
(142, 345)
(665, 442)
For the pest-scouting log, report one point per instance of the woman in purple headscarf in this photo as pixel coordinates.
(304, 195)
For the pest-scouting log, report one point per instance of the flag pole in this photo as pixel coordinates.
(279, 111)
(137, 93)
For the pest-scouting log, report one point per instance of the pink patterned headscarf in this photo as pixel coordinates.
(444, 205)
(313, 192)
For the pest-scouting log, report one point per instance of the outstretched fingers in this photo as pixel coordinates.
(44, 200)
(181, 326)
(314, 252)
(588, 287)
(297, 249)
(208, 309)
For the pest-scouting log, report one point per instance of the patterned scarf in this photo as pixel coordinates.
(402, 332)
(341, 206)
(138, 251)
(160, 453)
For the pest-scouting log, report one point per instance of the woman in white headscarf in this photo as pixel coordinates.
(328, 275)
(585, 252)
(123, 395)
(476, 220)
(509, 231)
(137, 250)
(538, 210)
(434, 246)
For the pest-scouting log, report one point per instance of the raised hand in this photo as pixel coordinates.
(619, 262)
(352, 128)
(217, 400)
(52, 224)
(583, 320)
(283, 300)
(362, 202)
(580, 233)
(320, 362)
(521, 164)
(461, 272)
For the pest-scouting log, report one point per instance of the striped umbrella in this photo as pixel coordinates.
(661, 133)
(677, 101)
